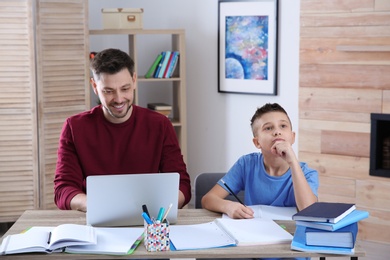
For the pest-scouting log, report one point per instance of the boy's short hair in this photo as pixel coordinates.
(111, 61)
(267, 108)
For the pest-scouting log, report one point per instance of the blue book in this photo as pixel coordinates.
(159, 65)
(343, 237)
(164, 64)
(325, 212)
(352, 217)
(299, 243)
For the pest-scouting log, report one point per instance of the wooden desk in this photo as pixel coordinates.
(186, 216)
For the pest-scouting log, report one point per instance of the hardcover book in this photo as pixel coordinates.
(331, 212)
(343, 237)
(164, 63)
(299, 243)
(159, 106)
(353, 217)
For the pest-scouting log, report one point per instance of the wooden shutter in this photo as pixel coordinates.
(62, 86)
(18, 129)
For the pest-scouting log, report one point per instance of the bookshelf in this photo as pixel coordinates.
(177, 82)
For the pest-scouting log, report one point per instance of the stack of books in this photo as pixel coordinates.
(164, 65)
(161, 108)
(327, 227)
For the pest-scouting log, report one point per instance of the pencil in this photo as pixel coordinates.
(166, 212)
(231, 192)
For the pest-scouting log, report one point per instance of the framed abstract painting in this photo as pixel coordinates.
(247, 46)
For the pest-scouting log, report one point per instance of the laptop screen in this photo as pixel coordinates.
(116, 200)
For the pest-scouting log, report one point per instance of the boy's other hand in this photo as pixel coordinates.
(237, 211)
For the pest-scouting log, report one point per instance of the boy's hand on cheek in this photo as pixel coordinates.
(284, 150)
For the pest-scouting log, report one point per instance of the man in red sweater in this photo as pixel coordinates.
(115, 137)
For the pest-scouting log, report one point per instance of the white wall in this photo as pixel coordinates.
(218, 124)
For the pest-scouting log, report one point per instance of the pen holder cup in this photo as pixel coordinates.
(157, 237)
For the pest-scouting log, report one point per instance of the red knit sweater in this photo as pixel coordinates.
(91, 145)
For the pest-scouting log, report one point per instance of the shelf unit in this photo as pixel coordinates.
(178, 80)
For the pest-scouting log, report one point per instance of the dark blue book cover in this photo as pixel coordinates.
(331, 212)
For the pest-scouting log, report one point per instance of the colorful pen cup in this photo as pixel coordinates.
(156, 237)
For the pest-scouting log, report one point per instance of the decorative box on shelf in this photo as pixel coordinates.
(122, 18)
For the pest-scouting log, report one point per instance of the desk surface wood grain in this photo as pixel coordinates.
(186, 216)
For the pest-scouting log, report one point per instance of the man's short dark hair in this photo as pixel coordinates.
(111, 61)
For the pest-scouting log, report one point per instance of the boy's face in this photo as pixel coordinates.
(271, 128)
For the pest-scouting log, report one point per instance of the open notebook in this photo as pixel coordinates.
(116, 200)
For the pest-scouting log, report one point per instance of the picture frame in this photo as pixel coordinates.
(247, 46)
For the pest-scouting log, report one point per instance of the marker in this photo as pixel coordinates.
(160, 214)
(146, 217)
(145, 209)
(166, 213)
(231, 192)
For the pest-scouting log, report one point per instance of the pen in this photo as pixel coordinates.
(160, 214)
(146, 217)
(231, 192)
(48, 240)
(145, 209)
(166, 213)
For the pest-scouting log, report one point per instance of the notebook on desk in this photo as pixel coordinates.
(116, 200)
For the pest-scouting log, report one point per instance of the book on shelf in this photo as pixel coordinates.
(157, 71)
(159, 106)
(112, 241)
(165, 74)
(48, 239)
(299, 243)
(331, 212)
(353, 217)
(173, 64)
(343, 237)
(164, 63)
(224, 232)
(153, 67)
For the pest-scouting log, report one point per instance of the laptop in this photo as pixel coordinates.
(116, 200)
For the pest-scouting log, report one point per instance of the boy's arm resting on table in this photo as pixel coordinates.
(214, 200)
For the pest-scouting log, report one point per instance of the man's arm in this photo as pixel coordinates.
(79, 202)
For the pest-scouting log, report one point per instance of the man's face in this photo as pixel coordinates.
(116, 93)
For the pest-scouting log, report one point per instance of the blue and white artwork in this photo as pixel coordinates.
(246, 47)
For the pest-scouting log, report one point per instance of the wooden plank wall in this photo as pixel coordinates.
(345, 76)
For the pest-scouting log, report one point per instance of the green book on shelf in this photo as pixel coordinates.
(153, 67)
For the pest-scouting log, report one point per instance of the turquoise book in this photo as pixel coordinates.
(352, 217)
(299, 244)
(164, 63)
(173, 64)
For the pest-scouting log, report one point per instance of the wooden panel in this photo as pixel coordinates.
(350, 32)
(329, 197)
(18, 132)
(334, 125)
(374, 231)
(386, 102)
(345, 143)
(332, 6)
(336, 165)
(382, 5)
(340, 99)
(342, 116)
(346, 76)
(374, 193)
(309, 140)
(63, 88)
(345, 19)
(324, 51)
(337, 186)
